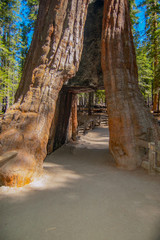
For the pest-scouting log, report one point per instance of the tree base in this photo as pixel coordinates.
(19, 170)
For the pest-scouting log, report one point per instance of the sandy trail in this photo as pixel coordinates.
(82, 196)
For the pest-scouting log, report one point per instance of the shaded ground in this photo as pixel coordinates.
(82, 196)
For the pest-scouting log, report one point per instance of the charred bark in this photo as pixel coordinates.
(63, 120)
(60, 123)
(53, 58)
(129, 119)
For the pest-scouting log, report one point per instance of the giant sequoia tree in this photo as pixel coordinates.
(53, 58)
(129, 118)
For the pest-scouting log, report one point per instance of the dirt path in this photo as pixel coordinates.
(82, 196)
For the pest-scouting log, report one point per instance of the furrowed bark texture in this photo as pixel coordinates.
(53, 58)
(90, 72)
(129, 119)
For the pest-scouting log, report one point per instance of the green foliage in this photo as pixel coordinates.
(17, 21)
(33, 10)
(100, 96)
(151, 43)
(15, 31)
(134, 20)
(145, 71)
(152, 17)
(147, 45)
(9, 69)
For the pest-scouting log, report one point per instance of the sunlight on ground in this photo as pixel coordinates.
(95, 139)
(54, 176)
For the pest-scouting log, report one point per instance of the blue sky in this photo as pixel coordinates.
(141, 25)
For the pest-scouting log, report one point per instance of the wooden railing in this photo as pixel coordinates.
(153, 163)
(89, 124)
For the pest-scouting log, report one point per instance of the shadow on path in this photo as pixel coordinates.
(82, 196)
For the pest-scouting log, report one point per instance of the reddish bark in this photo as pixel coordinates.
(53, 58)
(129, 119)
(155, 102)
(74, 117)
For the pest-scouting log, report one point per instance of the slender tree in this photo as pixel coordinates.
(152, 16)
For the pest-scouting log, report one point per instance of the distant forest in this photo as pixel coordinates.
(17, 22)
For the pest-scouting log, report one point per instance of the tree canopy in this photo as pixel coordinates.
(16, 27)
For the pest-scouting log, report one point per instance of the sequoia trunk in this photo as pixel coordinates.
(129, 119)
(53, 58)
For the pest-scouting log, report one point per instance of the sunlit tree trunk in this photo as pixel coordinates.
(53, 58)
(129, 119)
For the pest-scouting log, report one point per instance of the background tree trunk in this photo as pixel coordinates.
(90, 103)
(129, 119)
(53, 58)
(74, 117)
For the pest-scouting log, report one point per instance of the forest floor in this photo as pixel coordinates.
(82, 196)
